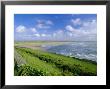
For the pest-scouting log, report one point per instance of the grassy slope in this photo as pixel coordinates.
(49, 64)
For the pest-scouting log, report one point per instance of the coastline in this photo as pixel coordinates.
(74, 66)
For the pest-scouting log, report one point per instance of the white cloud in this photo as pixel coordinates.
(93, 21)
(76, 21)
(37, 35)
(58, 33)
(46, 35)
(33, 29)
(44, 24)
(69, 28)
(72, 32)
(87, 30)
(43, 35)
(54, 34)
(69, 34)
(80, 31)
(21, 29)
(90, 24)
(87, 27)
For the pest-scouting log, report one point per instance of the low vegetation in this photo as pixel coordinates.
(41, 63)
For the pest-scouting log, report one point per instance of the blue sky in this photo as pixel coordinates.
(72, 27)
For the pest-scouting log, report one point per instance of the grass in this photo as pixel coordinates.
(41, 63)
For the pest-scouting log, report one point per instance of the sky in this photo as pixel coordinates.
(55, 27)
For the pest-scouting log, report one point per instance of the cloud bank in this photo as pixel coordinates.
(76, 29)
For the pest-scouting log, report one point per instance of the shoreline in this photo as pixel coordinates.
(42, 49)
(38, 45)
(64, 64)
(81, 59)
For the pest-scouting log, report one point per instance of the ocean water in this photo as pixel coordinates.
(82, 50)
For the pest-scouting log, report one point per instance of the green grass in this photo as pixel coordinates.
(50, 64)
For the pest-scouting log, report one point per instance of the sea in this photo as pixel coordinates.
(81, 49)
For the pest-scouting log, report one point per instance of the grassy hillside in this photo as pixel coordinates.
(41, 63)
